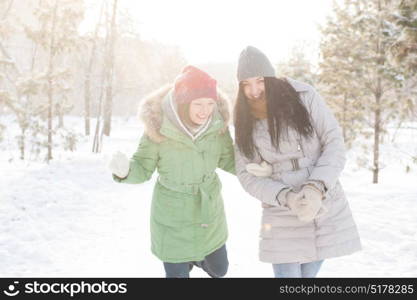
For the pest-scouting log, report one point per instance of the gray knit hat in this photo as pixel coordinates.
(253, 63)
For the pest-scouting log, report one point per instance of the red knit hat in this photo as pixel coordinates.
(194, 83)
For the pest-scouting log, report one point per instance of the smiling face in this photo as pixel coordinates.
(201, 109)
(254, 88)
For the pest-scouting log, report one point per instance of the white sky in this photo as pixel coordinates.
(216, 30)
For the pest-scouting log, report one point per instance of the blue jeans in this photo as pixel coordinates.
(215, 264)
(297, 270)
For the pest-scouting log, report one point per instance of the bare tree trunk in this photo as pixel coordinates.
(98, 134)
(50, 68)
(87, 84)
(99, 130)
(377, 112)
(87, 104)
(49, 157)
(344, 116)
(96, 142)
(377, 132)
(110, 65)
(22, 144)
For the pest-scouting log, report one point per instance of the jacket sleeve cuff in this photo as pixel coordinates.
(117, 178)
(318, 184)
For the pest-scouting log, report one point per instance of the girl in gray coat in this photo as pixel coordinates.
(289, 155)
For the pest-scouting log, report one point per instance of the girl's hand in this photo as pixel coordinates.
(310, 203)
(119, 164)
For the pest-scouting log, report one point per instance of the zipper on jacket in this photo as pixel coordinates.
(300, 146)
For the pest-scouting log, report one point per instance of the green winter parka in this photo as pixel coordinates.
(188, 220)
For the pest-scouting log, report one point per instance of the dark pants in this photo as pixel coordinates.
(215, 264)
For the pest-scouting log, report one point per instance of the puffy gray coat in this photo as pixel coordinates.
(284, 239)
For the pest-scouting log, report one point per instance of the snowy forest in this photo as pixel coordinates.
(70, 89)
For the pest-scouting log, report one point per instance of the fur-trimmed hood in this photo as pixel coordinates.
(151, 112)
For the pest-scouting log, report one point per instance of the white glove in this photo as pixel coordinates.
(306, 204)
(310, 204)
(293, 200)
(261, 170)
(119, 164)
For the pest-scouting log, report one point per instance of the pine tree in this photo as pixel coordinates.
(337, 73)
(16, 88)
(298, 66)
(57, 36)
(361, 48)
(404, 53)
(404, 50)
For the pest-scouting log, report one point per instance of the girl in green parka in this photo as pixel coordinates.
(186, 138)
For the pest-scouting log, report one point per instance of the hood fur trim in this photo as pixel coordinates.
(150, 112)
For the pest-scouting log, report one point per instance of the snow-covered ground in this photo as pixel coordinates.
(69, 219)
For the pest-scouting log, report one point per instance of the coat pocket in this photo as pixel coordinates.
(168, 206)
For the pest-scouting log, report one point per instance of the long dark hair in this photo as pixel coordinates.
(284, 109)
